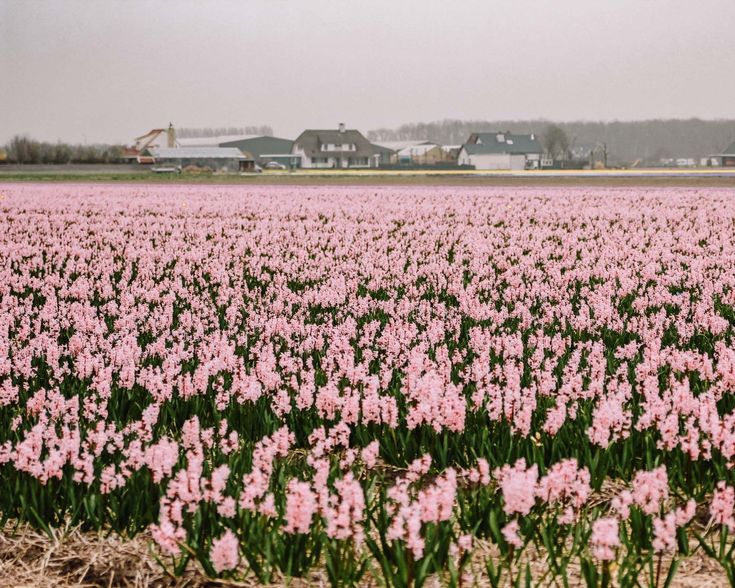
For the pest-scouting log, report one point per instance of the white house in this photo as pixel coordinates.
(501, 150)
(339, 148)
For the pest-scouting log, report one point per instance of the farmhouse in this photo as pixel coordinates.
(216, 158)
(501, 150)
(340, 148)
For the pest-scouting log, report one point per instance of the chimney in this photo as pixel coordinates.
(171, 136)
(341, 127)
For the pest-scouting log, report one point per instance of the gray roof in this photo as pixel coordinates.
(197, 153)
(260, 145)
(382, 149)
(491, 143)
(730, 150)
(215, 141)
(398, 145)
(311, 141)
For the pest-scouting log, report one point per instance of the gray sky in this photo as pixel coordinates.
(108, 71)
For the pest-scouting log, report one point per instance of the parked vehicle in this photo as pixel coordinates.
(166, 169)
(255, 170)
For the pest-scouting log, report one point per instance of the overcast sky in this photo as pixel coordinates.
(107, 71)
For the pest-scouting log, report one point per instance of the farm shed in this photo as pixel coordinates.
(384, 155)
(216, 158)
(264, 149)
(212, 140)
(425, 154)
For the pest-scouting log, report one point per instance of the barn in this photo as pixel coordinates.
(226, 159)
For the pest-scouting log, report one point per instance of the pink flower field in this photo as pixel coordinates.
(374, 381)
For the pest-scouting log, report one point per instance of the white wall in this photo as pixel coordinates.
(305, 161)
(491, 160)
(332, 161)
(518, 161)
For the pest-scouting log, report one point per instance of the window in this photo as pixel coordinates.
(338, 147)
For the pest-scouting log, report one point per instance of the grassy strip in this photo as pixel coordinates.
(428, 179)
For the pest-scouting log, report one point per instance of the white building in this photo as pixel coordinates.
(339, 148)
(502, 150)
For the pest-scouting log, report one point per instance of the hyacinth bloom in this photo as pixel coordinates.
(605, 538)
(722, 508)
(301, 505)
(290, 355)
(650, 489)
(345, 513)
(664, 533)
(518, 485)
(225, 552)
(566, 483)
(510, 534)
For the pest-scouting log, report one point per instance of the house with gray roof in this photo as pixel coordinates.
(501, 150)
(339, 148)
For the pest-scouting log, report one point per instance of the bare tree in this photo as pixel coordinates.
(556, 142)
(189, 132)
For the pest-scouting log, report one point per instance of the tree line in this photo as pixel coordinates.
(625, 141)
(23, 149)
(188, 132)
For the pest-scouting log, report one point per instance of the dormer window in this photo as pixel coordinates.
(500, 137)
